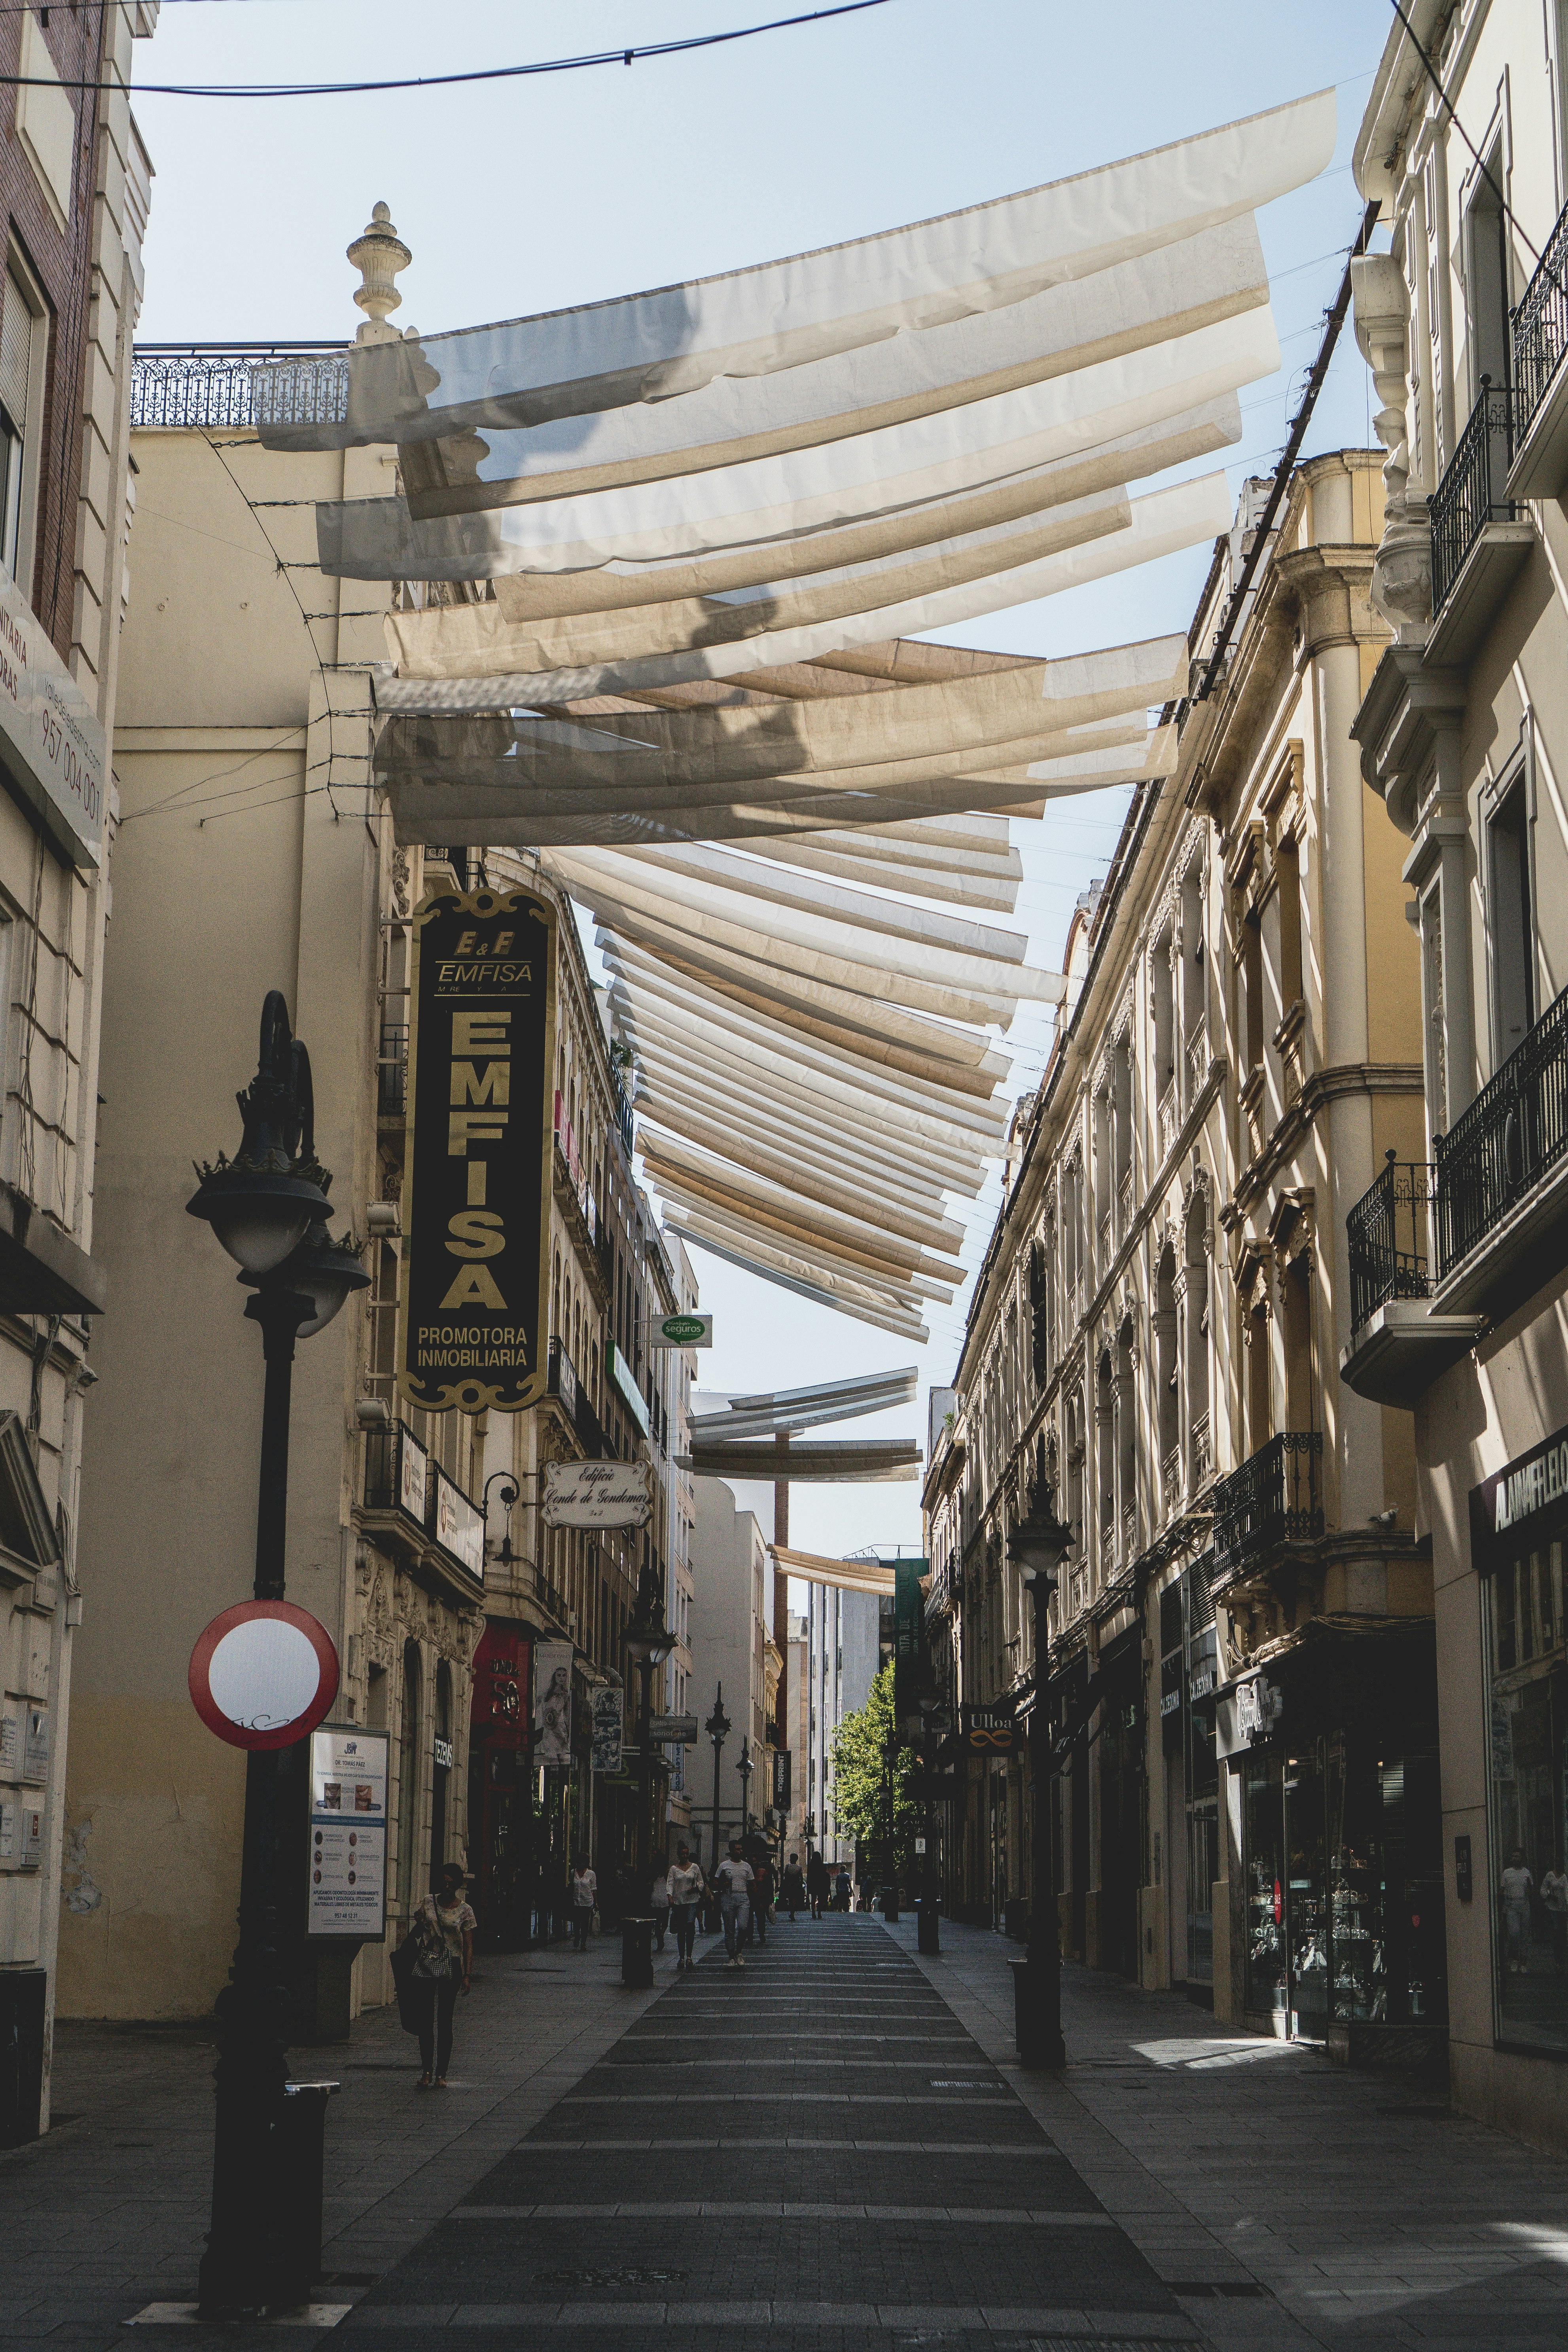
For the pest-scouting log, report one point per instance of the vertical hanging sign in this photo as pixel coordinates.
(477, 1175)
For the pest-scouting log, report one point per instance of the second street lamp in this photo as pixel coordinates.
(648, 1643)
(718, 1729)
(745, 1767)
(1039, 1546)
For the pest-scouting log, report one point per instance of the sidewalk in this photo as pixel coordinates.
(108, 2212)
(834, 2151)
(1317, 2205)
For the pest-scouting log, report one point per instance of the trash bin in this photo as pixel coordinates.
(302, 2147)
(637, 1953)
(891, 1902)
(1036, 2035)
(928, 1911)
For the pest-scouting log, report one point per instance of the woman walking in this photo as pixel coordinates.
(584, 1896)
(817, 1884)
(684, 1888)
(442, 1932)
(794, 1887)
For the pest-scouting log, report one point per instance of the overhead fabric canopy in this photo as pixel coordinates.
(752, 324)
(775, 1413)
(833, 1462)
(666, 562)
(847, 1575)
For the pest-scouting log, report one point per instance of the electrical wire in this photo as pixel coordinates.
(632, 54)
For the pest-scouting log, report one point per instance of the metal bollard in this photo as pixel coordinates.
(301, 2149)
(637, 1953)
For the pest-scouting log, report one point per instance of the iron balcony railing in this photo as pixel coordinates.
(562, 1381)
(1513, 1134)
(184, 387)
(1540, 323)
(1389, 1233)
(392, 1073)
(1275, 1498)
(1469, 495)
(396, 1473)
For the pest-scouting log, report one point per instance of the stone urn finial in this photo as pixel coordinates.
(378, 254)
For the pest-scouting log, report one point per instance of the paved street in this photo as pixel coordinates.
(831, 2148)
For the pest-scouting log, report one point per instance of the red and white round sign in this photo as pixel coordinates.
(264, 1675)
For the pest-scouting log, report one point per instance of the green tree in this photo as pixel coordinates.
(869, 1803)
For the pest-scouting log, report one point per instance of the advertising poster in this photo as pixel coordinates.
(478, 1161)
(552, 1704)
(607, 1730)
(347, 1883)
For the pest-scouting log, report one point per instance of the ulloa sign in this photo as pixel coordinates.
(477, 1175)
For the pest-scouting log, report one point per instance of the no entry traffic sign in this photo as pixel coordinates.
(264, 1675)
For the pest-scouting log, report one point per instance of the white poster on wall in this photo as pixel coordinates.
(347, 1890)
(552, 1704)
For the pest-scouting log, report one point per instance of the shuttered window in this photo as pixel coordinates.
(18, 328)
(15, 354)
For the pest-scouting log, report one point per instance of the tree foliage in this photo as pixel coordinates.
(870, 1804)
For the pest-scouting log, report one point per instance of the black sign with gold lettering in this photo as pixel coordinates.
(476, 1177)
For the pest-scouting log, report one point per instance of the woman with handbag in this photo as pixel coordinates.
(442, 1933)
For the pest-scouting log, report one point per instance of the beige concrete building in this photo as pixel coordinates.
(1460, 1248)
(77, 185)
(257, 855)
(1240, 1664)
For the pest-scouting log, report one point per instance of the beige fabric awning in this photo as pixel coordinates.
(850, 1575)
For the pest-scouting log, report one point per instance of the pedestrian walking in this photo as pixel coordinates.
(841, 1890)
(585, 1900)
(817, 1884)
(760, 1894)
(1555, 1902)
(1516, 1888)
(442, 1933)
(684, 1886)
(659, 1898)
(794, 1887)
(734, 1880)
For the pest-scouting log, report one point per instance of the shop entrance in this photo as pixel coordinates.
(1345, 1922)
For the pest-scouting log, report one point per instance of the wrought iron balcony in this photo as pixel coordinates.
(192, 385)
(1389, 1233)
(1539, 322)
(1276, 1497)
(562, 1381)
(391, 1074)
(1471, 493)
(1512, 1135)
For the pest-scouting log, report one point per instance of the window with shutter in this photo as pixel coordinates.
(18, 334)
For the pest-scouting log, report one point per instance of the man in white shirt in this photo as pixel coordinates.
(734, 1880)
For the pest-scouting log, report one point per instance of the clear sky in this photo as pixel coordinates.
(523, 196)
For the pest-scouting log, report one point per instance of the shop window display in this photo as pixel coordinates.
(1528, 1758)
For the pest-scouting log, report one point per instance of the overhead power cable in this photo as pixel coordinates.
(621, 57)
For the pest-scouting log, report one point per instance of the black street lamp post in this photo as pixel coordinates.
(745, 1767)
(648, 1643)
(718, 1729)
(267, 1206)
(928, 1905)
(1038, 1545)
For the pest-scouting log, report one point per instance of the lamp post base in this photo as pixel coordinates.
(1036, 2016)
(928, 1911)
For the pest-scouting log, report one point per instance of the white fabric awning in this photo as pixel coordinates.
(753, 323)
